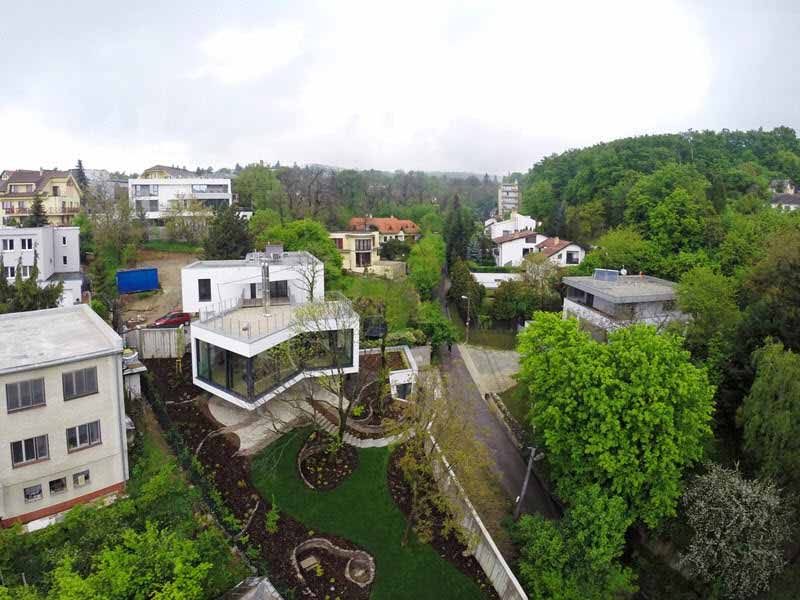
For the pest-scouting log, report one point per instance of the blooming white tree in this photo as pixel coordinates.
(740, 527)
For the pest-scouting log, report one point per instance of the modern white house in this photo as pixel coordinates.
(564, 253)
(63, 412)
(163, 189)
(249, 347)
(57, 254)
(607, 300)
(508, 198)
(516, 222)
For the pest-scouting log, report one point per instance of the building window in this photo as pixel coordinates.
(363, 245)
(79, 383)
(279, 289)
(9, 272)
(58, 486)
(64, 259)
(363, 259)
(25, 394)
(8, 245)
(204, 290)
(26, 271)
(33, 493)
(152, 206)
(64, 240)
(81, 479)
(83, 436)
(572, 257)
(27, 243)
(30, 450)
(56, 191)
(339, 243)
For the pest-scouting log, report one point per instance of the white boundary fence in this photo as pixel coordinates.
(485, 551)
(159, 342)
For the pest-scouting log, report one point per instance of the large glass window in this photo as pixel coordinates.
(25, 394)
(251, 378)
(79, 383)
(204, 290)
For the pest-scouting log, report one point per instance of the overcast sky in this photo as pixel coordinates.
(436, 85)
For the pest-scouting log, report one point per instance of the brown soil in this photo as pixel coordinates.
(448, 547)
(140, 311)
(328, 580)
(326, 469)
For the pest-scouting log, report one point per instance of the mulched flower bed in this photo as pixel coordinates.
(325, 468)
(328, 580)
(449, 547)
(231, 476)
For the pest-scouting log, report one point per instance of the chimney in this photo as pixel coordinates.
(558, 241)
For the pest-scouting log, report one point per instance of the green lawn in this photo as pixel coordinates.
(362, 511)
(517, 403)
(401, 295)
(502, 339)
(168, 246)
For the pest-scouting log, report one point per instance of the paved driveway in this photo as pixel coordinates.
(492, 370)
(509, 464)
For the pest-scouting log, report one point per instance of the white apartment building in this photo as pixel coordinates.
(62, 431)
(162, 189)
(516, 222)
(57, 251)
(508, 198)
(244, 341)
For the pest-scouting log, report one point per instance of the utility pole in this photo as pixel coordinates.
(466, 341)
(531, 458)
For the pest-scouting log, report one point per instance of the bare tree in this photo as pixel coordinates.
(311, 273)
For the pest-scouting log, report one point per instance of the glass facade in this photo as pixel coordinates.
(251, 378)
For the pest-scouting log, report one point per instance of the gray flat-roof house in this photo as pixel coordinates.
(607, 300)
(62, 432)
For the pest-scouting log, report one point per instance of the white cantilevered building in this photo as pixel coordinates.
(63, 417)
(245, 342)
(57, 254)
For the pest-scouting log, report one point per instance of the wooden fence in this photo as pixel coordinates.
(159, 342)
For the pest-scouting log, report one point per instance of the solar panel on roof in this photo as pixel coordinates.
(606, 274)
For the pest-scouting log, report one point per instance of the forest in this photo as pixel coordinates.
(679, 471)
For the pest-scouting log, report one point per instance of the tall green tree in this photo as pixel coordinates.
(312, 237)
(425, 263)
(228, 236)
(38, 216)
(459, 227)
(629, 415)
(259, 187)
(80, 177)
(463, 284)
(770, 414)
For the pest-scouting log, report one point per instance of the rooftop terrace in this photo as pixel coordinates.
(625, 288)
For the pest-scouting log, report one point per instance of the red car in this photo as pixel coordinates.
(173, 319)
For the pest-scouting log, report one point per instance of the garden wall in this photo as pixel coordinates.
(485, 551)
(159, 342)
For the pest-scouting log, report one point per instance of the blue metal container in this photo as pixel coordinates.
(130, 281)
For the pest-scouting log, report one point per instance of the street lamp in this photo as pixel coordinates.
(466, 341)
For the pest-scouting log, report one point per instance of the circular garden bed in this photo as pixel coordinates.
(323, 463)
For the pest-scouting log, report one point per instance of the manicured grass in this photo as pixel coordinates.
(362, 511)
(168, 246)
(502, 339)
(400, 294)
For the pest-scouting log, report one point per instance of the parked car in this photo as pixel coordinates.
(173, 319)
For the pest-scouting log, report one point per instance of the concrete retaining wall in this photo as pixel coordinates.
(485, 551)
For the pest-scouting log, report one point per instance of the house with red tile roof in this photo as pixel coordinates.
(390, 228)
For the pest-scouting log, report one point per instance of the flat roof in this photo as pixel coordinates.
(627, 288)
(48, 337)
(287, 258)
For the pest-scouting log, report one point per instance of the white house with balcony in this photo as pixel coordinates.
(516, 222)
(156, 198)
(249, 346)
(608, 300)
(56, 252)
